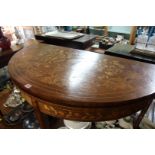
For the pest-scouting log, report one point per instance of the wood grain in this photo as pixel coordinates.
(82, 85)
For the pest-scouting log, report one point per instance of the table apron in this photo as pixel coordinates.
(86, 113)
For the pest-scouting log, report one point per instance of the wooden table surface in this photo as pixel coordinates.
(82, 85)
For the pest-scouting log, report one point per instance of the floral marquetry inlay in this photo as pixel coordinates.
(72, 76)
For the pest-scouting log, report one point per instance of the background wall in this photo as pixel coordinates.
(113, 31)
(120, 29)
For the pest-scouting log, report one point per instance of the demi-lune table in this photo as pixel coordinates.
(82, 85)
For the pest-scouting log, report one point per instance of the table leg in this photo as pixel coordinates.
(39, 115)
(1, 113)
(153, 108)
(137, 119)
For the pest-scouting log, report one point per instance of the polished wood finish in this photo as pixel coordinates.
(79, 43)
(7, 54)
(82, 85)
(86, 113)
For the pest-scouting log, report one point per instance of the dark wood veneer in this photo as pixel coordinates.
(81, 85)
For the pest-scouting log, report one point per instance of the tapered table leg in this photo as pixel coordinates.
(39, 115)
(137, 119)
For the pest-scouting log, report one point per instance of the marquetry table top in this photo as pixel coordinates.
(80, 78)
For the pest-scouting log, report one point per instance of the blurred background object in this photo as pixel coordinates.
(5, 42)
